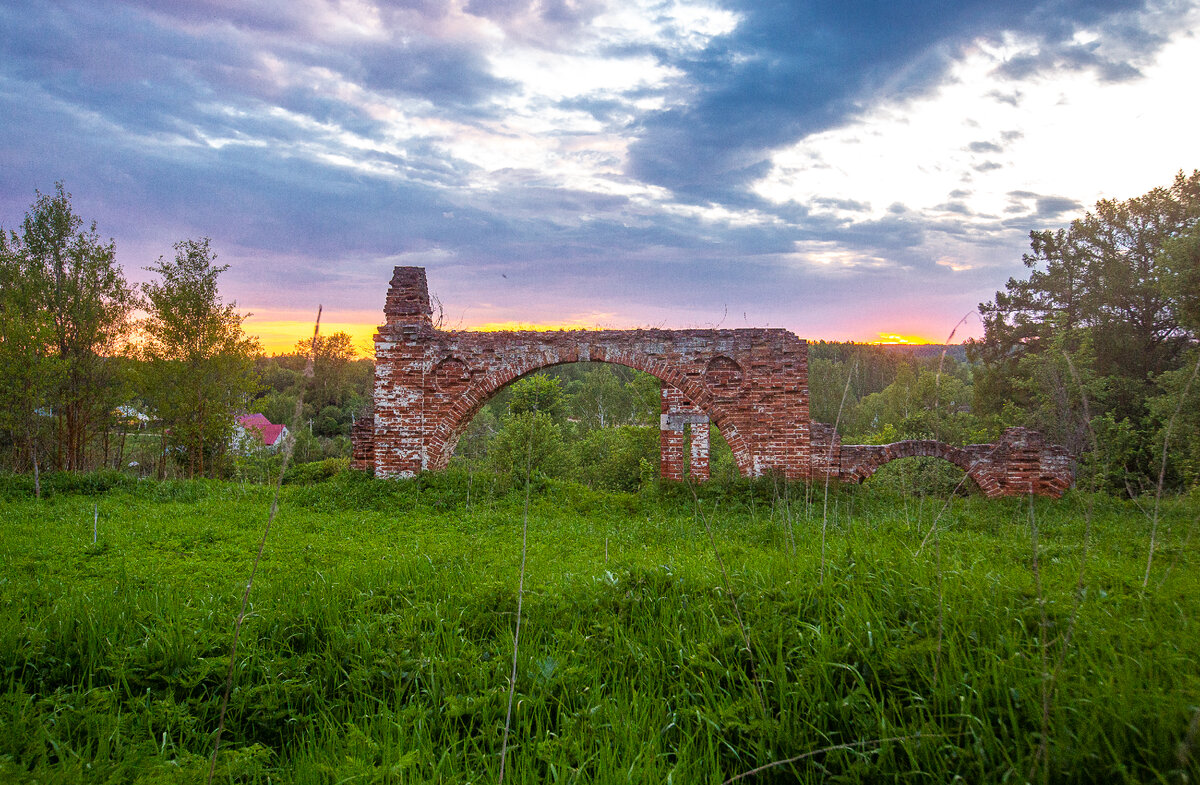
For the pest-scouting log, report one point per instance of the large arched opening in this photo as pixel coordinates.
(601, 402)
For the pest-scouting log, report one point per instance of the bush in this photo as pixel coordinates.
(611, 458)
(527, 444)
(317, 471)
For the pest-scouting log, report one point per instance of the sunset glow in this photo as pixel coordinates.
(852, 171)
(887, 339)
(279, 336)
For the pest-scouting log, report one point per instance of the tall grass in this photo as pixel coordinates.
(376, 645)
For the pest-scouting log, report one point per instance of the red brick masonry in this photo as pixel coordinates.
(752, 383)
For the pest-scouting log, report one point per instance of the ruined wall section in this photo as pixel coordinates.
(752, 383)
(1019, 464)
(679, 420)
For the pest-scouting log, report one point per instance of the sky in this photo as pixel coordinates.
(846, 170)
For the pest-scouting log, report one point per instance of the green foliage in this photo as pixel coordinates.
(919, 404)
(1115, 291)
(603, 399)
(1180, 259)
(316, 471)
(66, 310)
(380, 638)
(529, 443)
(198, 363)
(612, 458)
(537, 394)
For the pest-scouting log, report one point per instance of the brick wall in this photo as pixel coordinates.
(751, 383)
(429, 383)
(1020, 463)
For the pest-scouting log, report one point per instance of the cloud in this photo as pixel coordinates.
(790, 70)
(586, 148)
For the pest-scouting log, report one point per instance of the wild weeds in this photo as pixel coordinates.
(288, 447)
(394, 665)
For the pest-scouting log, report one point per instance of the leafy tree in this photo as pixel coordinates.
(68, 274)
(199, 368)
(919, 404)
(536, 393)
(1181, 260)
(601, 400)
(612, 458)
(333, 371)
(1104, 311)
(528, 443)
(29, 372)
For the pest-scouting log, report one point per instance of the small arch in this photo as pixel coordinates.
(483, 387)
(879, 456)
(451, 374)
(723, 376)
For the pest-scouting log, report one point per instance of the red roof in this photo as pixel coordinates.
(262, 426)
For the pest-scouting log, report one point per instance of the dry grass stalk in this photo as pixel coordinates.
(288, 447)
(852, 745)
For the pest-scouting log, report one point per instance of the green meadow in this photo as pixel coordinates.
(862, 636)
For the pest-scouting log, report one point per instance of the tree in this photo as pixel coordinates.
(1181, 260)
(601, 400)
(528, 443)
(1104, 309)
(72, 278)
(333, 373)
(29, 373)
(199, 363)
(536, 393)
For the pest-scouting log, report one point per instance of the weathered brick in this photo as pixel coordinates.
(752, 383)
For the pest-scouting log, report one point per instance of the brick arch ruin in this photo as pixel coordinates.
(430, 383)
(751, 383)
(474, 389)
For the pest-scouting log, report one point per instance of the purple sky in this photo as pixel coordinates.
(842, 169)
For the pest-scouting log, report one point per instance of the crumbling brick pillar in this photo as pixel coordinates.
(698, 467)
(670, 440)
(401, 370)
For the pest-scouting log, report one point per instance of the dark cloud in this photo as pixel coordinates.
(1070, 58)
(789, 70)
(1035, 207)
(984, 147)
(1051, 207)
(842, 204)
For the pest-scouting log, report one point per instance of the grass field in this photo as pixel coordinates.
(1017, 644)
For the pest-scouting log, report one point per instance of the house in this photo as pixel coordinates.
(255, 429)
